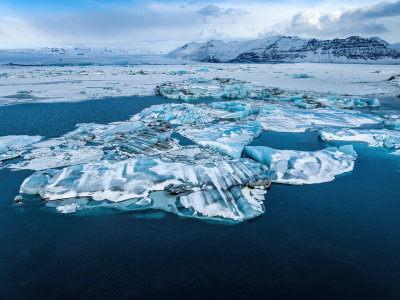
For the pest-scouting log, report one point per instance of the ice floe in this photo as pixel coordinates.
(228, 138)
(373, 137)
(289, 119)
(231, 190)
(302, 167)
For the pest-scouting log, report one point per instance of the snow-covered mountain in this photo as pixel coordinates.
(278, 49)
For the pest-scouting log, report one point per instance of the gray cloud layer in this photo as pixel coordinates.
(369, 20)
(166, 22)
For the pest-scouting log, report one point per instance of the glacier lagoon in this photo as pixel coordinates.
(339, 233)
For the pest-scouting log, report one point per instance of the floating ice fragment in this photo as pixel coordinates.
(175, 114)
(373, 137)
(287, 119)
(237, 109)
(232, 190)
(227, 138)
(196, 88)
(302, 167)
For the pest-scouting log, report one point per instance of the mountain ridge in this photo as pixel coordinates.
(286, 49)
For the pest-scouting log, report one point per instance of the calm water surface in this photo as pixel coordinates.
(327, 241)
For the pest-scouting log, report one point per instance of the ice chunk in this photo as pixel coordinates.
(193, 154)
(227, 138)
(344, 102)
(151, 139)
(288, 119)
(373, 137)
(232, 190)
(393, 124)
(302, 167)
(196, 88)
(237, 109)
(315, 101)
(122, 127)
(175, 114)
(12, 146)
(86, 132)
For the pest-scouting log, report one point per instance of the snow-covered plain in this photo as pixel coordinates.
(19, 84)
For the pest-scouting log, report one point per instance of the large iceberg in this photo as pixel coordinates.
(373, 137)
(303, 167)
(227, 138)
(288, 119)
(232, 190)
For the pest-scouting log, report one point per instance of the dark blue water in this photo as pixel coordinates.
(326, 241)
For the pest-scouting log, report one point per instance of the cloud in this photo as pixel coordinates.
(369, 20)
(216, 11)
(133, 22)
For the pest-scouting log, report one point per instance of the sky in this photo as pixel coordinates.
(160, 26)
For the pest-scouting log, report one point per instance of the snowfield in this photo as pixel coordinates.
(21, 84)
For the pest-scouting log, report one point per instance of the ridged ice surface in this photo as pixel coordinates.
(224, 191)
(287, 119)
(303, 167)
(227, 138)
(373, 137)
(93, 142)
(179, 114)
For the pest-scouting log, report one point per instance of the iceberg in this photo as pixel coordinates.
(347, 103)
(197, 88)
(177, 114)
(227, 138)
(303, 167)
(232, 190)
(393, 124)
(236, 109)
(373, 137)
(288, 119)
(317, 101)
